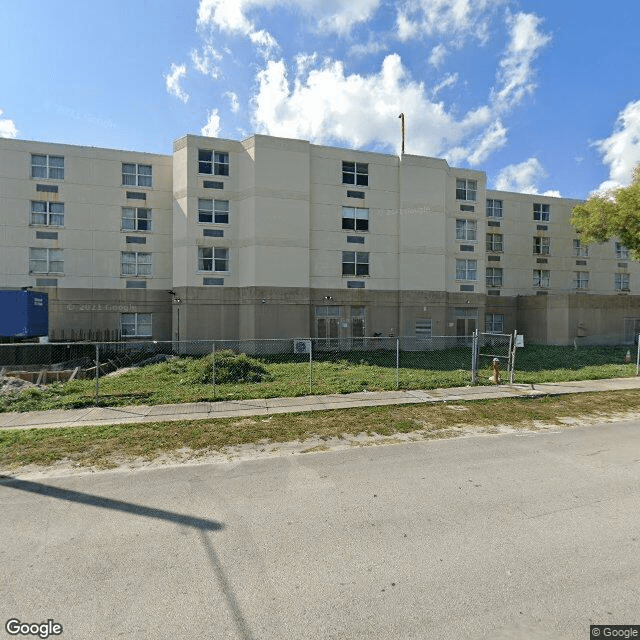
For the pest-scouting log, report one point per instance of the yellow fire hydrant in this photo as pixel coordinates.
(495, 371)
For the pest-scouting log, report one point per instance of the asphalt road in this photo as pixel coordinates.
(511, 536)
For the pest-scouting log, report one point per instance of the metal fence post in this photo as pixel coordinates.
(310, 367)
(474, 357)
(97, 374)
(638, 357)
(213, 368)
(514, 347)
(397, 363)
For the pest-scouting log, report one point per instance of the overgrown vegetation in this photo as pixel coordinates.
(242, 377)
(230, 368)
(109, 446)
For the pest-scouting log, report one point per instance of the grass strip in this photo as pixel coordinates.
(109, 446)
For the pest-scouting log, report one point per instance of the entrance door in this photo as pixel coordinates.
(465, 327)
(329, 331)
(357, 326)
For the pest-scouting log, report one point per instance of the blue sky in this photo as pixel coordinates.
(542, 95)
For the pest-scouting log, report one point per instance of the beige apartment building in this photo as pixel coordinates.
(280, 238)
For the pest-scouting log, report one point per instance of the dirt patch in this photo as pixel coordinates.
(10, 385)
(118, 372)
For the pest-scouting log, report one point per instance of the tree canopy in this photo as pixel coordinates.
(614, 214)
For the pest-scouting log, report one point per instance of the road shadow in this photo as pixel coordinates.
(108, 503)
(203, 525)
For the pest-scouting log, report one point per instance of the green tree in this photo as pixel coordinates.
(614, 214)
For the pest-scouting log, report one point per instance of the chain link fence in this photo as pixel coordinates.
(152, 372)
(281, 367)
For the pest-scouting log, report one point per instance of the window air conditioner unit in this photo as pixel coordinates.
(301, 345)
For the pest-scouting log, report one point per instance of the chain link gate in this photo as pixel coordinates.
(500, 346)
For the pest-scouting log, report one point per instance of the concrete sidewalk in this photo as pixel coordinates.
(92, 416)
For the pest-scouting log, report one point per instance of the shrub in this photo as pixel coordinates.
(230, 367)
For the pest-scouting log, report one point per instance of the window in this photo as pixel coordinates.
(494, 208)
(621, 282)
(622, 253)
(136, 219)
(329, 311)
(213, 162)
(45, 260)
(580, 279)
(494, 242)
(355, 263)
(465, 229)
(136, 175)
(541, 245)
(51, 167)
(213, 259)
(580, 250)
(354, 219)
(213, 211)
(133, 263)
(466, 189)
(466, 269)
(494, 276)
(135, 325)
(541, 212)
(424, 327)
(355, 173)
(47, 213)
(540, 278)
(494, 323)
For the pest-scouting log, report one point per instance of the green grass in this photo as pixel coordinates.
(109, 446)
(187, 379)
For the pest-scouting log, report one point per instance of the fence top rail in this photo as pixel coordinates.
(345, 340)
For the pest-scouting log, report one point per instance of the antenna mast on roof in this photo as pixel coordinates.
(401, 116)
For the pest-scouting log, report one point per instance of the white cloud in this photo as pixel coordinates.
(7, 127)
(375, 45)
(205, 61)
(452, 18)
(173, 79)
(516, 74)
(212, 128)
(621, 150)
(326, 105)
(331, 16)
(227, 15)
(448, 81)
(264, 42)
(523, 178)
(234, 103)
(493, 138)
(338, 16)
(438, 54)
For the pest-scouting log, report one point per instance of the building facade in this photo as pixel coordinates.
(280, 238)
